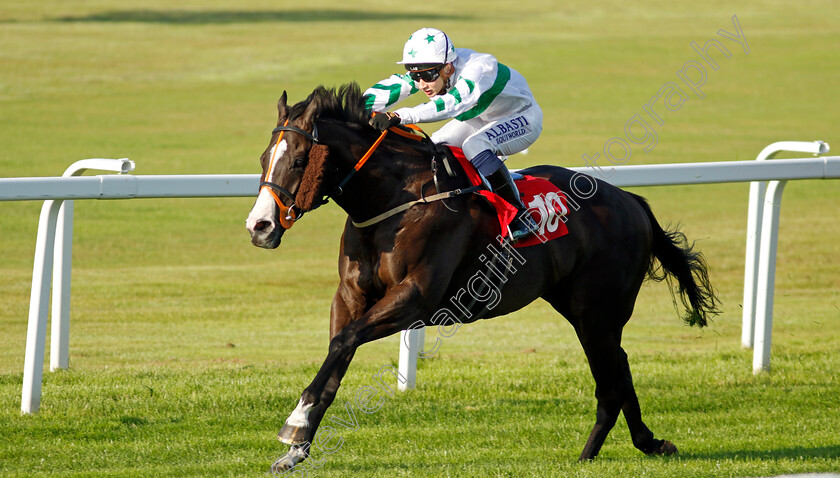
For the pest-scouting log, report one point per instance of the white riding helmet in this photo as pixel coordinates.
(427, 46)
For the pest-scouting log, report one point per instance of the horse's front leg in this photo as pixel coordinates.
(401, 307)
(295, 430)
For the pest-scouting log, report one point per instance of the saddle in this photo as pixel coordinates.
(545, 201)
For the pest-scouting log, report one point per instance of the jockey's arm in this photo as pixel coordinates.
(388, 92)
(471, 88)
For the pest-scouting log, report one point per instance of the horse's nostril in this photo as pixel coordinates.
(262, 226)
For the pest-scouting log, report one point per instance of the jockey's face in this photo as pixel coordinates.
(435, 87)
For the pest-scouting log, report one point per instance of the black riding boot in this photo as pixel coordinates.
(503, 185)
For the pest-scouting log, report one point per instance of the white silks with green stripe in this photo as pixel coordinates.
(481, 87)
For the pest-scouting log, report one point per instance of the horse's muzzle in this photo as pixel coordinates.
(263, 222)
(266, 234)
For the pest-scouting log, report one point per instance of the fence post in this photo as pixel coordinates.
(54, 257)
(755, 215)
(63, 258)
(36, 332)
(411, 341)
(62, 264)
(766, 282)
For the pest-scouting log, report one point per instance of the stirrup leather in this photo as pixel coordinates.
(503, 185)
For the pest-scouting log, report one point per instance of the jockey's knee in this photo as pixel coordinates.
(475, 145)
(487, 162)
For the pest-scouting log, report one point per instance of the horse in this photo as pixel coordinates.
(396, 271)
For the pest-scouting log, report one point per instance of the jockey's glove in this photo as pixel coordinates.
(383, 121)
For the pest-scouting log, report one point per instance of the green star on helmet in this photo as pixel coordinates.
(430, 38)
(413, 53)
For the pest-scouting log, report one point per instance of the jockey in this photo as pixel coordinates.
(493, 109)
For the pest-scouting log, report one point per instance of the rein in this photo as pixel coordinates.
(408, 205)
(339, 190)
(422, 200)
(293, 213)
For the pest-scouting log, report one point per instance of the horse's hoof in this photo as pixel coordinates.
(288, 461)
(291, 435)
(667, 448)
(283, 464)
(660, 447)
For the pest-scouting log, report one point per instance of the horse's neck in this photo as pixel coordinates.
(388, 179)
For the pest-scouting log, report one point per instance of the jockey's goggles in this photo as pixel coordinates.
(428, 75)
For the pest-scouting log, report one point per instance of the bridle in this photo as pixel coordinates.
(293, 213)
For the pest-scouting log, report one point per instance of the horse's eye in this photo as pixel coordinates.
(299, 163)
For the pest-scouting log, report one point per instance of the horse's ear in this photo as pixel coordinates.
(282, 109)
(308, 116)
(311, 191)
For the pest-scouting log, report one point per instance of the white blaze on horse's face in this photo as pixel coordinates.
(261, 223)
(277, 151)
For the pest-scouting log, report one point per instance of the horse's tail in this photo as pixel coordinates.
(678, 259)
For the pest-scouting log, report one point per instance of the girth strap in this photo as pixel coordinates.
(408, 205)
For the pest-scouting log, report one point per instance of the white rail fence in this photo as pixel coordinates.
(53, 257)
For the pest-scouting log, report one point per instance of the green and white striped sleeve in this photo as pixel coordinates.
(389, 92)
(469, 97)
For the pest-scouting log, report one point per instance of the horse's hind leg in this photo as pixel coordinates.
(642, 436)
(615, 393)
(602, 353)
(599, 328)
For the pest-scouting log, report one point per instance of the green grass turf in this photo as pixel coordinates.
(189, 347)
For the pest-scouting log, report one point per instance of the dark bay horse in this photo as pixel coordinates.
(399, 271)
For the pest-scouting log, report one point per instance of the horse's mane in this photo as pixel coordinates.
(344, 104)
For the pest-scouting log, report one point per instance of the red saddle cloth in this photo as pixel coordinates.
(545, 201)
